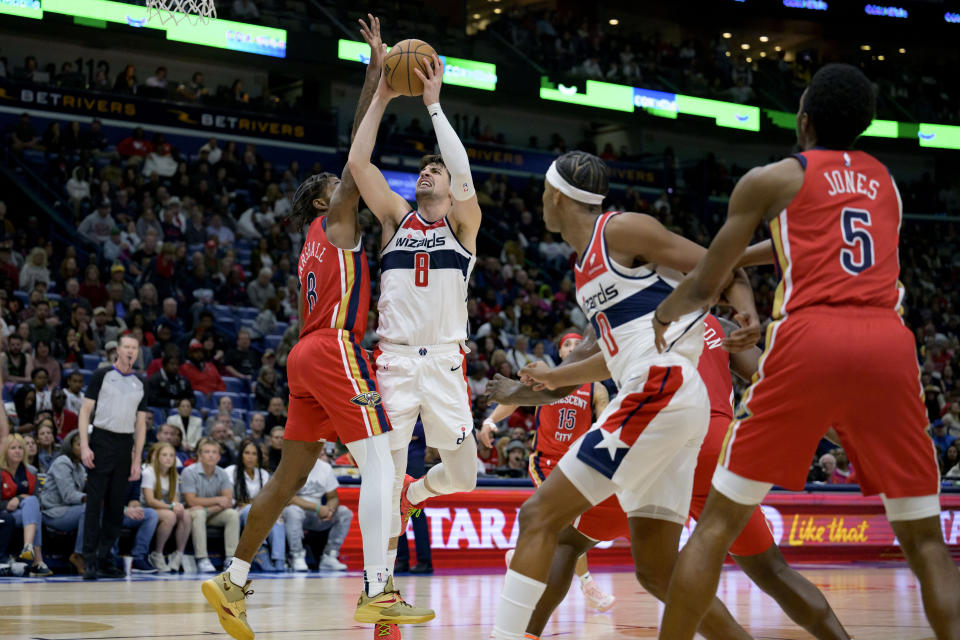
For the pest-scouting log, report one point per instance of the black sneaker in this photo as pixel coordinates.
(110, 570)
(90, 572)
(422, 568)
(401, 567)
(140, 565)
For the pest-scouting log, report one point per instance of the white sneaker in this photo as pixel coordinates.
(298, 561)
(174, 561)
(329, 562)
(596, 598)
(189, 564)
(205, 566)
(156, 560)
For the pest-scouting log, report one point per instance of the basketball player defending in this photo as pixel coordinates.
(427, 257)
(837, 352)
(333, 393)
(559, 423)
(754, 549)
(643, 447)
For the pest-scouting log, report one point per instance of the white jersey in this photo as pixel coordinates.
(424, 272)
(620, 302)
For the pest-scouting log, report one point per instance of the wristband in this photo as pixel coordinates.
(206, 511)
(490, 422)
(317, 510)
(171, 506)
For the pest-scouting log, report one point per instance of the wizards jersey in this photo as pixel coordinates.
(620, 302)
(424, 272)
(334, 284)
(560, 423)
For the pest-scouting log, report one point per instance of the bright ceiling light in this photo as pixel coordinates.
(614, 22)
(764, 39)
(744, 46)
(727, 35)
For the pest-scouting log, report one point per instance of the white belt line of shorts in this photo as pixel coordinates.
(452, 348)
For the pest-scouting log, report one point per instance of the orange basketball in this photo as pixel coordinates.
(400, 63)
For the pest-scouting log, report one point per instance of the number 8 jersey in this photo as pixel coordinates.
(836, 242)
(334, 284)
(424, 271)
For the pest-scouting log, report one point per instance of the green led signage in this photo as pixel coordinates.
(456, 71)
(618, 97)
(940, 136)
(221, 34)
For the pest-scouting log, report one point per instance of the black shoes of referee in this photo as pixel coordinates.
(109, 570)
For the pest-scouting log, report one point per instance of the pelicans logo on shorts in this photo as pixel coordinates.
(368, 399)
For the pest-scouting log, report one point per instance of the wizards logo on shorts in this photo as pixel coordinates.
(368, 399)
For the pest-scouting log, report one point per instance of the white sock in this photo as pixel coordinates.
(585, 578)
(518, 599)
(238, 571)
(375, 579)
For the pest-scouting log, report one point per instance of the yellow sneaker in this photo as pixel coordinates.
(389, 607)
(230, 603)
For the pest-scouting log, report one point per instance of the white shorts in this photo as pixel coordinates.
(644, 445)
(426, 381)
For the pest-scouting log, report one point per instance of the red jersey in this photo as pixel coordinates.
(714, 368)
(335, 284)
(837, 241)
(560, 424)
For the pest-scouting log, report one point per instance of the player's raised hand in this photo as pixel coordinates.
(371, 35)
(431, 81)
(746, 336)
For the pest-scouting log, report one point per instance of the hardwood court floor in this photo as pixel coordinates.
(873, 602)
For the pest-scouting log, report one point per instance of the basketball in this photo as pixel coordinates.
(400, 62)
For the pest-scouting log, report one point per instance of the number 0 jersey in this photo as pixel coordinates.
(334, 284)
(424, 272)
(560, 423)
(619, 302)
(837, 241)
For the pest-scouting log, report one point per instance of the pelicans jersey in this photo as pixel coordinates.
(619, 302)
(560, 423)
(333, 388)
(837, 353)
(643, 447)
(424, 272)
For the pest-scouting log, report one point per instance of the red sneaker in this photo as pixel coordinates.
(406, 508)
(386, 631)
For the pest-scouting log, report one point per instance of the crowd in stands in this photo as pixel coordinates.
(566, 43)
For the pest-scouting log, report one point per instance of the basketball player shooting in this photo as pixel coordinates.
(837, 353)
(333, 394)
(426, 259)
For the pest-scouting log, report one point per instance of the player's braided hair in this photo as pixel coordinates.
(840, 102)
(303, 211)
(584, 171)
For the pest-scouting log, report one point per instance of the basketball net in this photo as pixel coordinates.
(176, 11)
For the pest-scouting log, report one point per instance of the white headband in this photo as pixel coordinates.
(567, 189)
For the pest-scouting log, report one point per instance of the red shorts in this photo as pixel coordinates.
(756, 537)
(605, 521)
(333, 390)
(851, 368)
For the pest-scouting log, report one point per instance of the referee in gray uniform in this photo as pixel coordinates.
(116, 400)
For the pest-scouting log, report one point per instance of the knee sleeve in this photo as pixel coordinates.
(376, 492)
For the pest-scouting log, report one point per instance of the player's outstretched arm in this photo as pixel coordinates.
(343, 223)
(386, 205)
(466, 213)
(761, 191)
